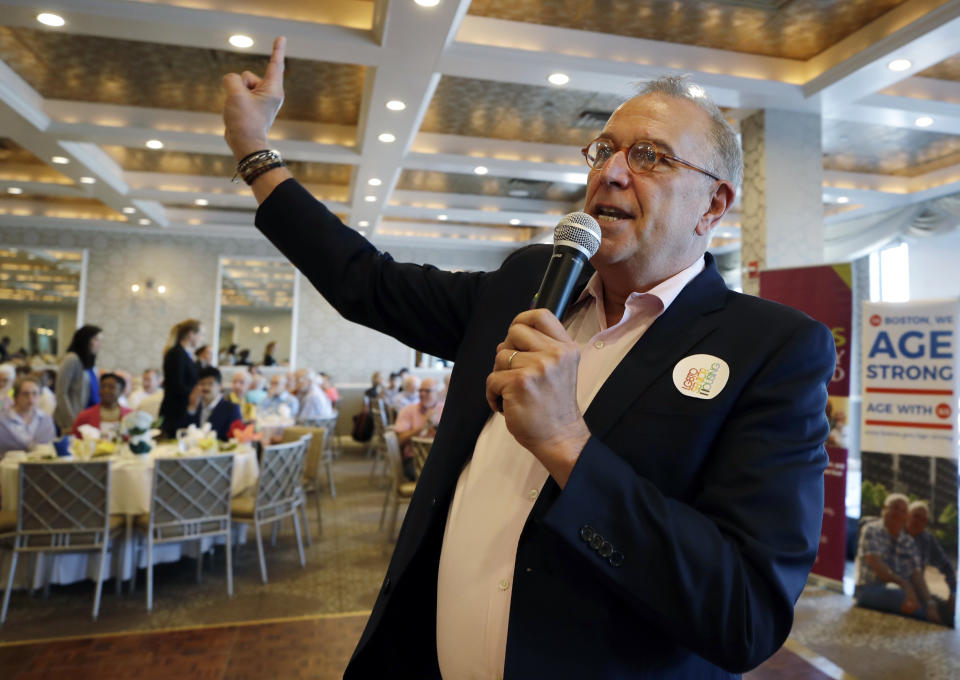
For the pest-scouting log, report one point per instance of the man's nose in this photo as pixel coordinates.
(616, 171)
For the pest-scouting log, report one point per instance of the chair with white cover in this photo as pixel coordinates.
(190, 502)
(399, 490)
(278, 495)
(63, 507)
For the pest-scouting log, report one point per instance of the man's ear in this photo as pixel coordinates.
(723, 196)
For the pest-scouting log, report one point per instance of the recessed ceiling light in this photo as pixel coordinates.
(161, 289)
(480, 170)
(558, 78)
(363, 223)
(14, 190)
(370, 199)
(60, 160)
(442, 218)
(50, 19)
(387, 137)
(154, 144)
(129, 210)
(923, 121)
(144, 221)
(427, 3)
(899, 64)
(241, 40)
(87, 180)
(202, 201)
(374, 181)
(519, 193)
(396, 105)
(514, 221)
(843, 199)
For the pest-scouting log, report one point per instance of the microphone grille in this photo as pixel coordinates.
(579, 230)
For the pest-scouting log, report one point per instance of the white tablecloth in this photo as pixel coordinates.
(130, 488)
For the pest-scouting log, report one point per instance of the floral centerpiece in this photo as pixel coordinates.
(137, 431)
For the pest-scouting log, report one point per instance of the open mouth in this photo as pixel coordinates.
(609, 213)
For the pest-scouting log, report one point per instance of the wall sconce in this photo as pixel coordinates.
(261, 329)
(3, 322)
(44, 331)
(148, 287)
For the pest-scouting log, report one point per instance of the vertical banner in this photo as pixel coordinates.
(824, 292)
(907, 546)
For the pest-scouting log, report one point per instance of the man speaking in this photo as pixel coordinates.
(648, 502)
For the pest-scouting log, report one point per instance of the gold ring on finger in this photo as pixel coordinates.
(510, 360)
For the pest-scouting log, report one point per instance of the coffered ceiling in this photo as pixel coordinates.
(485, 149)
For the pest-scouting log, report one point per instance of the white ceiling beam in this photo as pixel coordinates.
(923, 31)
(448, 200)
(462, 215)
(902, 112)
(498, 167)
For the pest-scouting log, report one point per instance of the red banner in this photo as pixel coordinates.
(825, 294)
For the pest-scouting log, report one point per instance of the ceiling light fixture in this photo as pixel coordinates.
(87, 180)
(370, 199)
(154, 144)
(50, 19)
(60, 160)
(514, 221)
(480, 170)
(387, 137)
(144, 221)
(14, 190)
(842, 199)
(135, 288)
(519, 193)
(396, 105)
(241, 40)
(202, 201)
(558, 79)
(161, 289)
(129, 210)
(442, 218)
(363, 223)
(427, 3)
(899, 65)
(374, 181)
(923, 121)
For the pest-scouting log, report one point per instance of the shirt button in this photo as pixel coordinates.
(532, 494)
(504, 584)
(598, 344)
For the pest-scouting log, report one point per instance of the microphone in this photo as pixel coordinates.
(576, 239)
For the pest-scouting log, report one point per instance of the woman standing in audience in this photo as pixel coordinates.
(77, 385)
(179, 374)
(268, 359)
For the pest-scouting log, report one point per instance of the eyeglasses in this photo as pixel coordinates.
(642, 157)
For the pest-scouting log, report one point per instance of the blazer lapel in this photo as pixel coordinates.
(687, 321)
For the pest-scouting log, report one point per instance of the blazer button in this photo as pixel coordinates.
(615, 559)
(606, 549)
(586, 532)
(596, 541)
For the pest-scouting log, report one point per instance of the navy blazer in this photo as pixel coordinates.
(688, 527)
(224, 414)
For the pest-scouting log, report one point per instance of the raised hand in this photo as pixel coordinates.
(252, 104)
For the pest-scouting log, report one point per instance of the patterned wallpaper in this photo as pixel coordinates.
(135, 328)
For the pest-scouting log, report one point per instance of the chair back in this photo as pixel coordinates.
(314, 436)
(65, 505)
(280, 472)
(381, 419)
(191, 496)
(393, 454)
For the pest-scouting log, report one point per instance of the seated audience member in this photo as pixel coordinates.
(329, 389)
(240, 384)
(48, 400)
(376, 389)
(268, 359)
(204, 356)
(930, 550)
(408, 395)
(108, 413)
(124, 399)
(210, 406)
(24, 425)
(8, 374)
(418, 420)
(278, 396)
(314, 404)
(258, 388)
(243, 358)
(391, 390)
(149, 384)
(889, 576)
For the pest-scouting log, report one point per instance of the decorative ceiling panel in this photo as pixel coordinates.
(485, 108)
(183, 163)
(37, 275)
(59, 206)
(257, 283)
(130, 73)
(857, 147)
(948, 69)
(799, 29)
(424, 180)
(10, 152)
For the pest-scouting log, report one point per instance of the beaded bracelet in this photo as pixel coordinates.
(255, 164)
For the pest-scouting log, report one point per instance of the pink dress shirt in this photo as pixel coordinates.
(500, 484)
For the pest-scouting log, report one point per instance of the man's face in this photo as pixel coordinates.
(28, 397)
(895, 517)
(429, 393)
(149, 381)
(303, 380)
(109, 392)
(278, 384)
(241, 381)
(209, 389)
(657, 228)
(917, 521)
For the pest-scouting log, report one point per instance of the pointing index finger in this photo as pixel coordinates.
(275, 67)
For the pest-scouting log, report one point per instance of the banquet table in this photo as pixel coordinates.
(131, 485)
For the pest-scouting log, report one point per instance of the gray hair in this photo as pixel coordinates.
(728, 158)
(8, 370)
(919, 505)
(895, 497)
